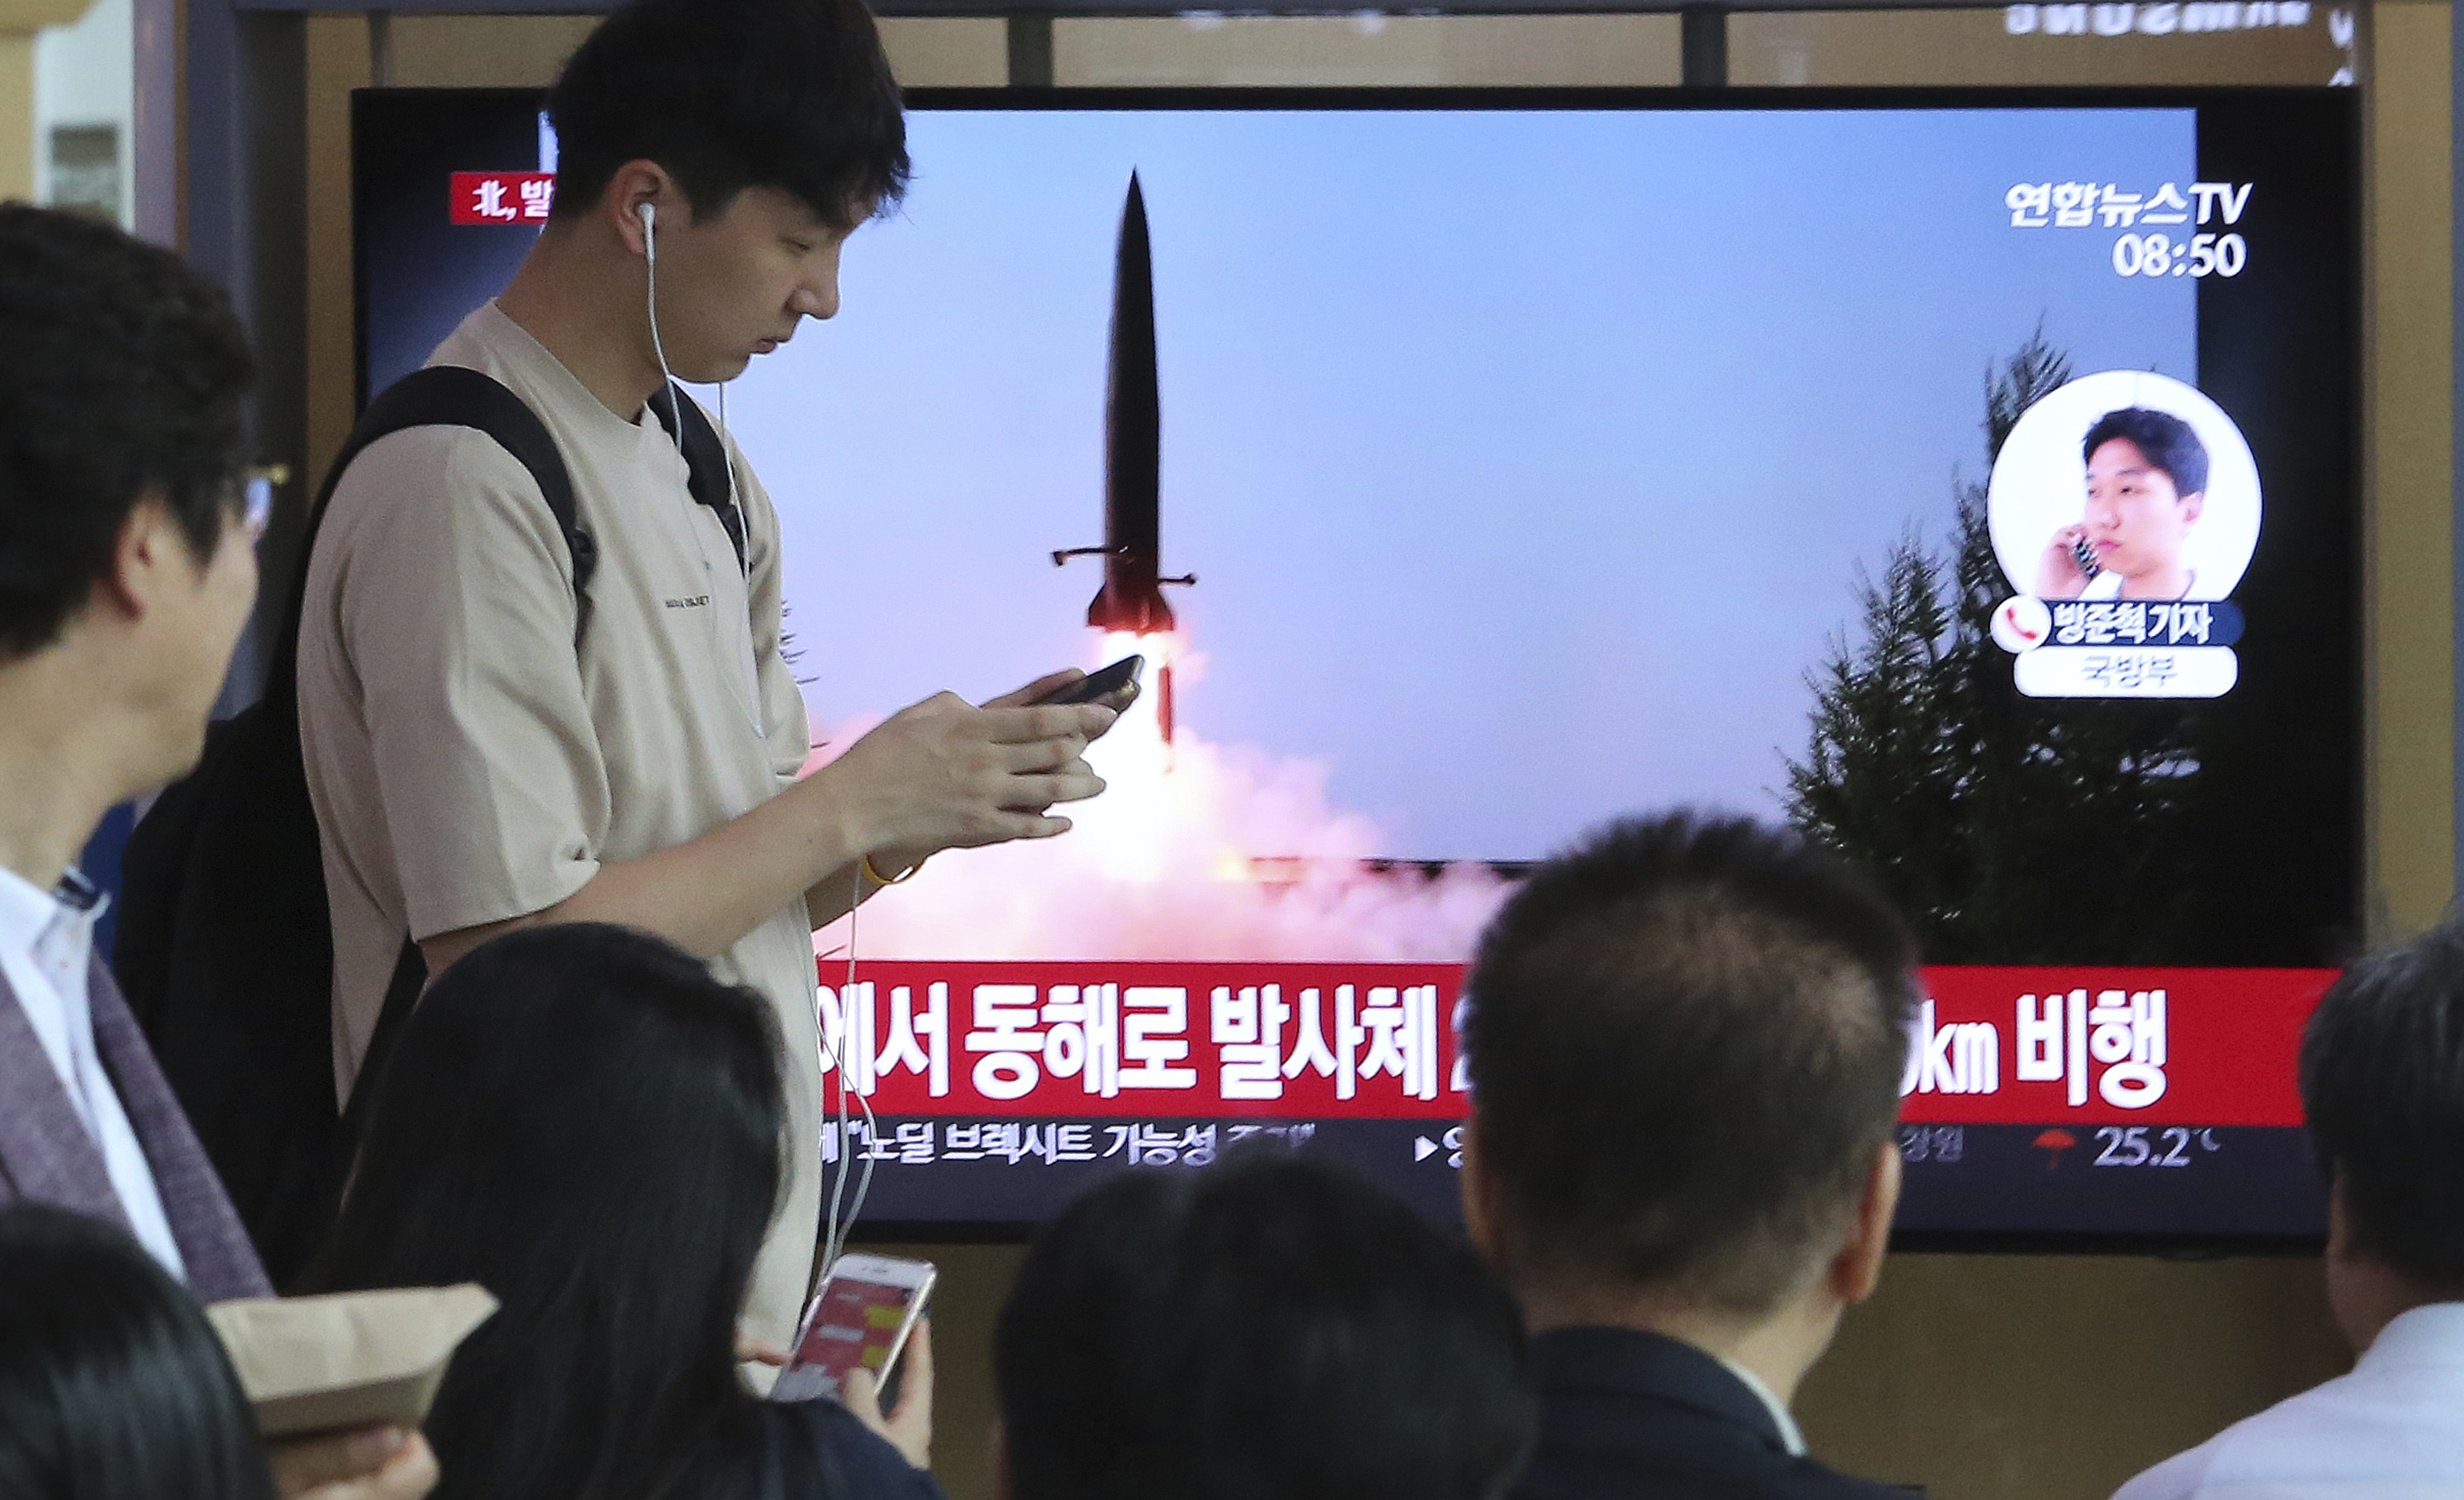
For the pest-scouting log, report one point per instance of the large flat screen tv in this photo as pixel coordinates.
(1968, 479)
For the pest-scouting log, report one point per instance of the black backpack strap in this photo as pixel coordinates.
(706, 466)
(410, 979)
(440, 395)
(445, 396)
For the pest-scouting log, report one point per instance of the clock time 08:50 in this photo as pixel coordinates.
(2163, 256)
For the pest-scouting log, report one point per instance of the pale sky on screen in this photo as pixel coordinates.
(1524, 460)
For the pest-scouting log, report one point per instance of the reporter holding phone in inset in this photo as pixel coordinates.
(582, 1120)
(2146, 488)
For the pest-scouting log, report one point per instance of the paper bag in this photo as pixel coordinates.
(349, 1358)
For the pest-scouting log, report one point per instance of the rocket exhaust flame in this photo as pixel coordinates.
(1132, 600)
(1237, 855)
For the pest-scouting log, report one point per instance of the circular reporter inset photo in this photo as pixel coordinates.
(2124, 485)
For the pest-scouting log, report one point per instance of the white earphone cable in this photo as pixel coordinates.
(837, 1227)
(841, 1226)
(651, 258)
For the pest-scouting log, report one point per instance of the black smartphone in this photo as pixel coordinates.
(1115, 687)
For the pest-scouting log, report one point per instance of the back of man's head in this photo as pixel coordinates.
(793, 95)
(1265, 1329)
(2383, 1090)
(1686, 1039)
(121, 373)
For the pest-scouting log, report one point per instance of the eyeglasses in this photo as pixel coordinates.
(258, 487)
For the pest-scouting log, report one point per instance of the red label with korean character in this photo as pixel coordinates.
(1055, 1040)
(503, 197)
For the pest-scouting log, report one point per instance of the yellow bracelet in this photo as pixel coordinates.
(880, 879)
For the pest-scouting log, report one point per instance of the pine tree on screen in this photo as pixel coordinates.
(2010, 830)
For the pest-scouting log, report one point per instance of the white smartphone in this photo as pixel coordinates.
(860, 1318)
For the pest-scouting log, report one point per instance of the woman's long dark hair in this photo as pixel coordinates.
(585, 1121)
(112, 1384)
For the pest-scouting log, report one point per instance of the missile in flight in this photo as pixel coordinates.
(1132, 599)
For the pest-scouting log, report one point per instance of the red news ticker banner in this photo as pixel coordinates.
(2109, 1045)
(2016, 1045)
(502, 197)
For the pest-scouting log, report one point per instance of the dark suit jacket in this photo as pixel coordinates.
(46, 1155)
(1634, 1416)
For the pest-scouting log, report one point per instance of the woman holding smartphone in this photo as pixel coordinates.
(582, 1120)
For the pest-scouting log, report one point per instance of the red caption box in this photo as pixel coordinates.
(2214, 1046)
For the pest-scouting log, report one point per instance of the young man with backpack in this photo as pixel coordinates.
(126, 572)
(502, 727)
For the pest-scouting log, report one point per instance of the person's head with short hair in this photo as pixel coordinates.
(758, 134)
(1684, 1040)
(725, 95)
(585, 1121)
(113, 1385)
(2383, 1092)
(1266, 1328)
(126, 574)
(2147, 487)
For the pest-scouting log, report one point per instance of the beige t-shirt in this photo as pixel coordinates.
(468, 766)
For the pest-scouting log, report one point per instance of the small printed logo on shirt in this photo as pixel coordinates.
(697, 602)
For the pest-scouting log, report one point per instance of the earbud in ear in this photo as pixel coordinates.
(650, 216)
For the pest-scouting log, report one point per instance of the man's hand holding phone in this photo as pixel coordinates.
(945, 774)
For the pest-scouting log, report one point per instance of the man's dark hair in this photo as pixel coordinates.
(121, 371)
(1263, 1328)
(2383, 1090)
(2164, 439)
(1686, 1037)
(112, 1384)
(727, 95)
(582, 1120)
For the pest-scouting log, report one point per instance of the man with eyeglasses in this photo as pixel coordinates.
(126, 573)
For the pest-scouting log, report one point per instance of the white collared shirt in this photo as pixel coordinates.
(46, 951)
(1792, 1437)
(2394, 1430)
